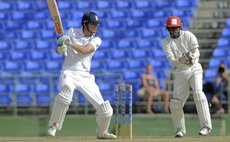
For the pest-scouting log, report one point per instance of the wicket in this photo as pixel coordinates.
(120, 99)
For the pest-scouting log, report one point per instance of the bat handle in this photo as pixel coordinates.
(65, 54)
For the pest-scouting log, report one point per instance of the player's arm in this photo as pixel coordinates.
(87, 49)
(144, 82)
(156, 83)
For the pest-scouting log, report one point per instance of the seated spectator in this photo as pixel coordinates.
(213, 100)
(222, 82)
(150, 88)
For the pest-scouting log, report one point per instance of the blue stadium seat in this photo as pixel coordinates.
(115, 64)
(108, 34)
(33, 25)
(17, 56)
(118, 54)
(223, 42)
(53, 66)
(4, 16)
(164, 4)
(5, 6)
(122, 44)
(104, 4)
(131, 75)
(119, 15)
(43, 100)
(40, 5)
(114, 24)
(45, 34)
(21, 6)
(100, 55)
(184, 4)
(158, 53)
(44, 45)
(97, 65)
(123, 5)
(142, 4)
(136, 54)
(129, 33)
(144, 44)
(62, 5)
(4, 45)
(54, 56)
(24, 100)
(140, 14)
(27, 35)
(218, 52)
(134, 24)
(136, 64)
(156, 63)
(19, 16)
(22, 45)
(146, 33)
(210, 74)
(23, 88)
(105, 87)
(5, 100)
(228, 22)
(6, 88)
(42, 15)
(12, 66)
(107, 44)
(32, 66)
(41, 88)
(214, 63)
(152, 23)
(37, 55)
(226, 32)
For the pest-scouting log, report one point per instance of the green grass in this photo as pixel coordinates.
(85, 125)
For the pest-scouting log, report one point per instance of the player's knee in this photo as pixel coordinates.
(65, 94)
(105, 109)
(176, 104)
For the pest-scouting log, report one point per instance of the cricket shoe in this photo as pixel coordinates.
(107, 135)
(204, 131)
(179, 134)
(51, 131)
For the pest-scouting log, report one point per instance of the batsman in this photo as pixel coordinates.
(181, 49)
(80, 45)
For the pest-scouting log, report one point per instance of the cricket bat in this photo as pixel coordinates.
(54, 12)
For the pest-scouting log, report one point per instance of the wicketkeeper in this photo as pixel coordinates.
(80, 45)
(181, 49)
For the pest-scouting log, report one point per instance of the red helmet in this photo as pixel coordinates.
(173, 21)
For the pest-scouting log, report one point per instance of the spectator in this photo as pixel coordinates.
(150, 87)
(213, 99)
(221, 82)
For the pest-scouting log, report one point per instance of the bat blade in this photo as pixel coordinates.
(54, 12)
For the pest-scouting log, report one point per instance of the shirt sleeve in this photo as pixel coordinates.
(193, 41)
(96, 42)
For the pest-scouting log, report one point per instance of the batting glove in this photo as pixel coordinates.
(64, 39)
(61, 48)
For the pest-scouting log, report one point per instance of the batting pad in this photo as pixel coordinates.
(103, 118)
(202, 109)
(60, 107)
(176, 107)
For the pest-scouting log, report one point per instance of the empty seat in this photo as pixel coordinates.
(123, 5)
(20, 45)
(119, 14)
(142, 4)
(4, 45)
(32, 66)
(100, 55)
(140, 54)
(140, 14)
(210, 74)
(64, 5)
(156, 63)
(131, 75)
(37, 55)
(226, 32)
(134, 23)
(97, 65)
(117, 54)
(23, 88)
(214, 63)
(19, 16)
(106, 44)
(24, 6)
(16, 56)
(223, 42)
(41, 88)
(218, 52)
(24, 100)
(133, 64)
(43, 100)
(158, 53)
(184, 4)
(5, 6)
(103, 4)
(108, 34)
(53, 66)
(154, 23)
(114, 64)
(5, 100)
(146, 33)
(45, 34)
(114, 24)
(54, 56)
(12, 66)
(105, 87)
(125, 44)
(42, 45)
(33, 25)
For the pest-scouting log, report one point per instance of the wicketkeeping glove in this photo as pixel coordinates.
(187, 58)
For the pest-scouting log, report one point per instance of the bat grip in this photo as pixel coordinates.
(65, 54)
